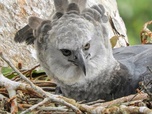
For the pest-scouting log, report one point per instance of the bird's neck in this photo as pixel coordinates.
(102, 87)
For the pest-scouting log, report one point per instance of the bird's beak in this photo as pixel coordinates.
(78, 59)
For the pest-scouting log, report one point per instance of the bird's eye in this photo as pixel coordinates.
(66, 52)
(87, 46)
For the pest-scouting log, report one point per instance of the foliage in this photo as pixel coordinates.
(8, 72)
(135, 13)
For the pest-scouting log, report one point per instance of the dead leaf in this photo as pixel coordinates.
(114, 40)
(146, 34)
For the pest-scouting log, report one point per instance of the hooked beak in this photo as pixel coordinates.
(78, 59)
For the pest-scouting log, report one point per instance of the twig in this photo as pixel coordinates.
(2, 97)
(24, 106)
(137, 103)
(150, 81)
(11, 87)
(44, 108)
(4, 112)
(133, 97)
(60, 109)
(38, 89)
(15, 69)
(102, 108)
(141, 84)
(146, 90)
(124, 99)
(11, 90)
(35, 106)
(122, 109)
(30, 71)
(94, 102)
(133, 110)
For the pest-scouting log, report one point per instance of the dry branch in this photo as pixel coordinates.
(115, 106)
(35, 106)
(139, 96)
(44, 94)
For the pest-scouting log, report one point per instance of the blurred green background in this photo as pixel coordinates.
(135, 13)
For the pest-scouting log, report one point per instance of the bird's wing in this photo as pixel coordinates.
(25, 34)
(138, 60)
(130, 51)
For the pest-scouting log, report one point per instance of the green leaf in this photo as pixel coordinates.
(6, 70)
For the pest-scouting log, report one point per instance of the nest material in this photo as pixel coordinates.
(35, 93)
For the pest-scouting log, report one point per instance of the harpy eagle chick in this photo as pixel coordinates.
(73, 47)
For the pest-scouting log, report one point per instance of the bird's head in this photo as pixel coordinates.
(74, 46)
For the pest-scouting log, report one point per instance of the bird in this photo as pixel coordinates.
(74, 49)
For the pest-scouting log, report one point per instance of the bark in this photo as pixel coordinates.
(14, 15)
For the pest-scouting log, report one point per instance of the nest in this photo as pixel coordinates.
(31, 91)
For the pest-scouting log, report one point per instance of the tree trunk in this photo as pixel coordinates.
(14, 15)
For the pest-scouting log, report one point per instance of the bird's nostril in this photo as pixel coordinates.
(75, 57)
(88, 56)
(71, 60)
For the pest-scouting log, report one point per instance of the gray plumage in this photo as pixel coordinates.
(74, 49)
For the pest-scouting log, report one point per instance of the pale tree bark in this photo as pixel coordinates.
(14, 15)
